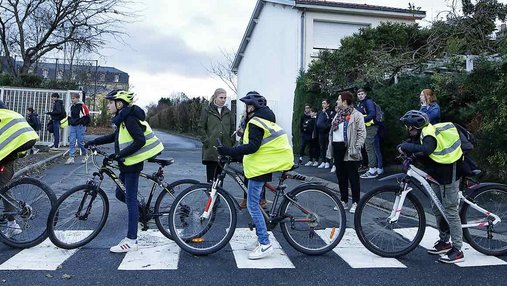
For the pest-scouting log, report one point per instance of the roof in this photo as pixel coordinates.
(100, 69)
(322, 5)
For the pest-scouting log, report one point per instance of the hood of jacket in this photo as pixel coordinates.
(265, 113)
(131, 110)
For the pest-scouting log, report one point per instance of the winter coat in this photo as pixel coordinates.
(324, 120)
(213, 126)
(58, 112)
(367, 108)
(356, 135)
(433, 111)
(34, 121)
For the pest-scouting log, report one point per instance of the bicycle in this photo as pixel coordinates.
(80, 213)
(390, 220)
(203, 217)
(29, 202)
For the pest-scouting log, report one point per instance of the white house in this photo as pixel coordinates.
(283, 37)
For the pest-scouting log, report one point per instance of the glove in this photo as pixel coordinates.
(113, 157)
(224, 150)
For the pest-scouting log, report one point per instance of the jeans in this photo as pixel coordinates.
(449, 199)
(131, 182)
(369, 144)
(56, 133)
(346, 171)
(254, 193)
(378, 152)
(76, 133)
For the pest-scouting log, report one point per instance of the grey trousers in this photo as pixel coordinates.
(369, 144)
(448, 195)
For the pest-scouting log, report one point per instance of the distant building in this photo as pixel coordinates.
(284, 36)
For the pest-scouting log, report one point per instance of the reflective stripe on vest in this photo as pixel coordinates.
(275, 153)
(151, 148)
(14, 132)
(448, 148)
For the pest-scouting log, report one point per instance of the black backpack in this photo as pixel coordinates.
(468, 140)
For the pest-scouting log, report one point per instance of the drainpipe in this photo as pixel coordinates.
(302, 60)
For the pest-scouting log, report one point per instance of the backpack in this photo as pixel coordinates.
(380, 117)
(468, 140)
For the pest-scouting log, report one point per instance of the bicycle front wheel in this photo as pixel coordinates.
(195, 233)
(487, 238)
(78, 217)
(24, 212)
(315, 219)
(378, 233)
(164, 202)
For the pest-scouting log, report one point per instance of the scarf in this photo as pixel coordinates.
(342, 115)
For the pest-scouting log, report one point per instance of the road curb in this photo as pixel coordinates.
(36, 165)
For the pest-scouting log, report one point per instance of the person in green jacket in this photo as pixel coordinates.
(217, 122)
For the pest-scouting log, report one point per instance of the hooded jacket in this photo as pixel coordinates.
(58, 112)
(78, 114)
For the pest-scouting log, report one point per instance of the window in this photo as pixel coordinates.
(45, 73)
(116, 78)
(327, 35)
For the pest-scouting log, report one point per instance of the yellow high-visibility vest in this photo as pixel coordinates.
(14, 132)
(151, 148)
(275, 153)
(448, 148)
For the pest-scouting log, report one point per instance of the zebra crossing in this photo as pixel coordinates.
(156, 252)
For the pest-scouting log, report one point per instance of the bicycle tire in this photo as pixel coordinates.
(34, 214)
(169, 193)
(494, 199)
(379, 204)
(327, 227)
(65, 211)
(206, 237)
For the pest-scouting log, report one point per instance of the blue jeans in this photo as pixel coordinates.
(56, 133)
(378, 153)
(252, 203)
(76, 133)
(131, 182)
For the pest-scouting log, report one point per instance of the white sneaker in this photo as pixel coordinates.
(315, 164)
(369, 175)
(261, 251)
(13, 229)
(353, 208)
(322, 165)
(380, 171)
(69, 161)
(327, 165)
(300, 160)
(125, 245)
(333, 169)
(252, 246)
(309, 163)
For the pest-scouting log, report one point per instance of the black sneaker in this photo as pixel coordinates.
(440, 247)
(453, 256)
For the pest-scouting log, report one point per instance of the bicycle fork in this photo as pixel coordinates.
(211, 201)
(398, 204)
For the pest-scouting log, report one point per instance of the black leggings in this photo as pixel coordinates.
(346, 171)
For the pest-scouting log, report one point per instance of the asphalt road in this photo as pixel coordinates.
(159, 261)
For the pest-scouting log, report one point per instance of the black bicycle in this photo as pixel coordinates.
(81, 213)
(28, 201)
(203, 217)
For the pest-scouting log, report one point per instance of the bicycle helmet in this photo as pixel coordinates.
(118, 94)
(415, 118)
(255, 99)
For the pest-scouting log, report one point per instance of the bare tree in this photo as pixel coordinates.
(223, 70)
(33, 28)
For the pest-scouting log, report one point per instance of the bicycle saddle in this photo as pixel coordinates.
(162, 162)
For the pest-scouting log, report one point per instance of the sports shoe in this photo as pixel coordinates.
(261, 251)
(440, 247)
(54, 149)
(322, 165)
(309, 163)
(315, 164)
(327, 165)
(353, 208)
(125, 245)
(380, 171)
(344, 204)
(13, 229)
(300, 160)
(369, 175)
(362, 169)
(242, 205)
(333, 169)
(452, 256)
(252, 246)
(69, 161)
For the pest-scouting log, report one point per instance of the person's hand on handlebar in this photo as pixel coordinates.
(115, 157)
(223, 150)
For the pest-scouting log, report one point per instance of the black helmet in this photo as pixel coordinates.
(255, 99)
(415, 118)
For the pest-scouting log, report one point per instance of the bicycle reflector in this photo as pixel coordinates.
(198, 239)
(332, 233)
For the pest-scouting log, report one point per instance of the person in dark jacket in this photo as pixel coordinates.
(79, 117)
(313, 140)
(323, 125)
(130, 116)
(57, 114)
(33, 120)
(304, 130)
(261, 158)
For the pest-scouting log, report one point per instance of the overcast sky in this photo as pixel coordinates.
(173, 42)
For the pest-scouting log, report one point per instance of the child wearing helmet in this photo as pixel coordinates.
(134, 142)
(438, 147)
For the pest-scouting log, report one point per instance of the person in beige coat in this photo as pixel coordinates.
(346, 137)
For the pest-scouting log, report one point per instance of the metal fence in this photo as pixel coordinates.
(20, 99)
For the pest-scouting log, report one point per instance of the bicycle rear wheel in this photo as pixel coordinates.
(164, 202)
(78, 217)
(487, 239)
(195, 234)
(312, 225)
(28, 202)
(378, 234)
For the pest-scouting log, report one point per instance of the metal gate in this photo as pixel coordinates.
(20, 99)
